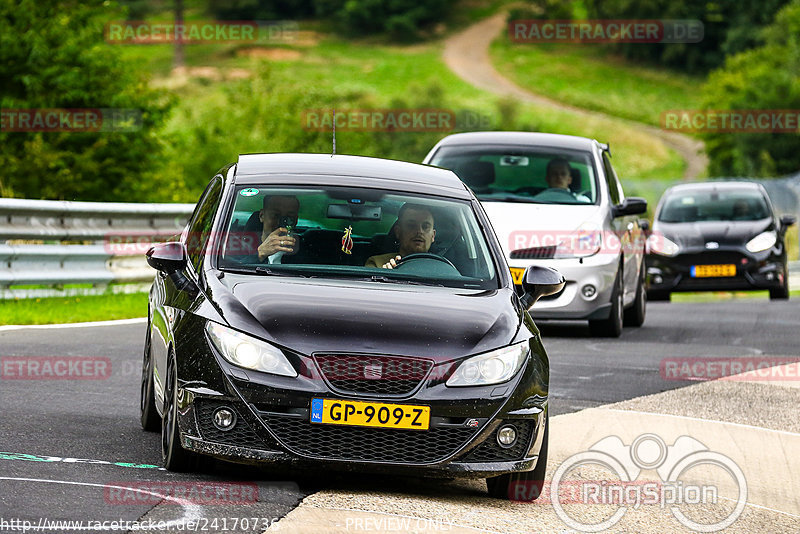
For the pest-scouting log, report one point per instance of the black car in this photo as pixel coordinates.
(269, 340)
(717, 236)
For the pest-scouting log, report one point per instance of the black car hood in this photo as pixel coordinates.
(695, 235)
(308, 316)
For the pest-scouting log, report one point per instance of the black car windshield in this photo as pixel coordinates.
(335, 232)
(714, 205)
(521, 174)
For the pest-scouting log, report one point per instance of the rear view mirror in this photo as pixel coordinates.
(540, 282)
(788, 220)
(354, 212)
(630, 206)
(167, 257)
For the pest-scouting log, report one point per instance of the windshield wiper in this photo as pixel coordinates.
(387, 280)
(258, 270)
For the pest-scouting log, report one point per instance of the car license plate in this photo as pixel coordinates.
(712, 271)
(517, 273)
(375, 414)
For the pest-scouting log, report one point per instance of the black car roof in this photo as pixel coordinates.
(348, 170)
(520, 138)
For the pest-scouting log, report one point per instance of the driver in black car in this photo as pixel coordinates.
(415, 233)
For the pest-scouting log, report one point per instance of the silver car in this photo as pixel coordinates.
(555, 200)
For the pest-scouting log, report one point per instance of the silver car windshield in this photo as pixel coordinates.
(355, 232)
(521, 174)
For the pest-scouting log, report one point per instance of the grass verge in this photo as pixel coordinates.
(588, 76)
(56, 310)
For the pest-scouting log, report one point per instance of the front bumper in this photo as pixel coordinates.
(273, 427)
(758, 271)
(598, 271)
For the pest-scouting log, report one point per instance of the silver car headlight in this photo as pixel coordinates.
(584, 242)
(249, 352)
(762, 241)
(490, 368)
(659, 244)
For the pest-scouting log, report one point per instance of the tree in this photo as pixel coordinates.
(766, 78)
(53, 55)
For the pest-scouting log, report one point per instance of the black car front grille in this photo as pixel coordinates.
(491, 451)
(241, 435)
(335, 442)
(372, 375)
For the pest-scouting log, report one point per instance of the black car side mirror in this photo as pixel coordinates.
(167, 257)
(630, 206)
(644, 224)
(787, 220)
(540, 282)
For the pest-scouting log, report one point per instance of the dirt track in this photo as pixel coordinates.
(467, 55)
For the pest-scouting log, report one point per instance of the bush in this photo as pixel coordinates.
(764, 78)
(52, 55)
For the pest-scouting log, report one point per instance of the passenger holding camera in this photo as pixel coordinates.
(278, 215)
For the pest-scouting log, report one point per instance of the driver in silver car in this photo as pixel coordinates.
(415, 233)
(559, 179)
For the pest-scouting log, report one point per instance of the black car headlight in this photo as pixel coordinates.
(659, 244)
(249, 352)
(490, 368)
(762, 241)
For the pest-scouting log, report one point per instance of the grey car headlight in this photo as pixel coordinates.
(762, 241)
(490, 368)
(659, 244)
(249, 352)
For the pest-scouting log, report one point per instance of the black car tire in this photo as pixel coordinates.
(611, 327)
(635, 315)
(658, 296)
(148, 415)
(173, 455)
(501, 487)
(781, 293)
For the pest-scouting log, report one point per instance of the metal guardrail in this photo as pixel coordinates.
(64, 220)
(101, 224)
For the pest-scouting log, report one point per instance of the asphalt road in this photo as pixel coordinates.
(48, 424)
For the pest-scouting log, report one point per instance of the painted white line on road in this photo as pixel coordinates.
(760, 507)
(191, 512)
(700, 419)
(116, 322)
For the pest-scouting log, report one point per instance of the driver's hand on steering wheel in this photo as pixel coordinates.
(391, 264)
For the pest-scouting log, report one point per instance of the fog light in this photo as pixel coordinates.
(224, 419)
(588, 291)
(770, 276)
(657, 279)
(507, 436)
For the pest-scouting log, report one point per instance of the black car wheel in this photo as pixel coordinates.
(781, 293)
(634, 316)
(508, 486)
(173, 455)
(611, 327)
(148, 415)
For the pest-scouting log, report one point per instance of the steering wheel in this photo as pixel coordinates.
(528, 189)
(425, 256)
